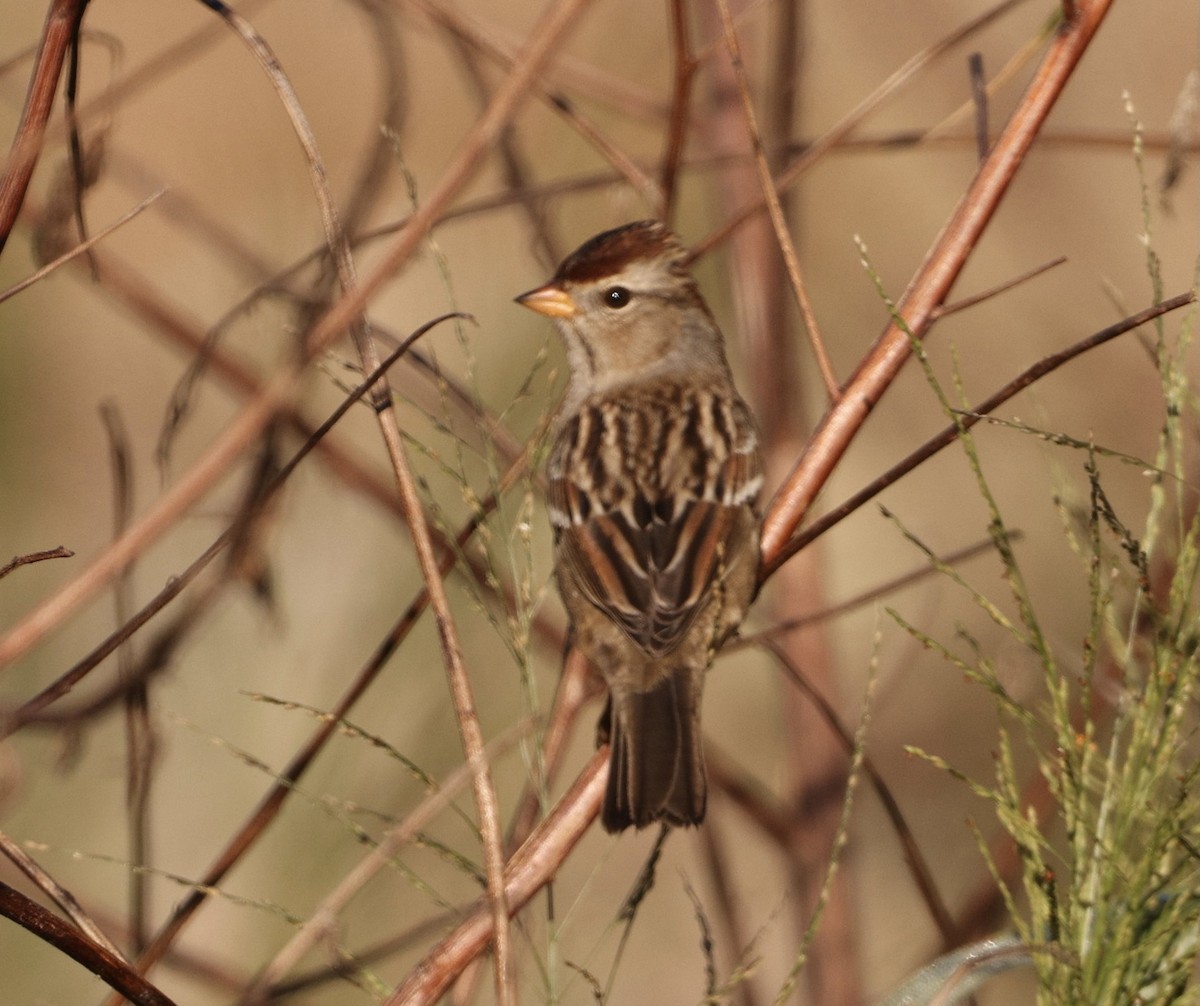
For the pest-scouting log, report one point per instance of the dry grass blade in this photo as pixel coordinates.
(82, 248)
(323, 922)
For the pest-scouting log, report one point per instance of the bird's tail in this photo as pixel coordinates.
(656, 768)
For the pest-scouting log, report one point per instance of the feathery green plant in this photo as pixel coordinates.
(1107, 903)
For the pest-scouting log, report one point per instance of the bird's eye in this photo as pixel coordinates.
(617, 296)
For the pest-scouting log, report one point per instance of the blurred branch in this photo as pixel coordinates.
(841, 131)
(468, 34)
(685, 73)
(775, 208)
(31, 711)
(278, 392)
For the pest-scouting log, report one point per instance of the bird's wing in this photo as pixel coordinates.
(648, 554)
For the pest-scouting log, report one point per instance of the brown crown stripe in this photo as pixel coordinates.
(609, 253)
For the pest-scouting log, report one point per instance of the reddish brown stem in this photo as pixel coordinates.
(62, 25)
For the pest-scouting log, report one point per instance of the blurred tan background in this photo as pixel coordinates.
(207, 126)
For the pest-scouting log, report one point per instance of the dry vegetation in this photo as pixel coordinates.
(289, 718)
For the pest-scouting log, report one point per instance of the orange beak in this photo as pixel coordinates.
(550, 300)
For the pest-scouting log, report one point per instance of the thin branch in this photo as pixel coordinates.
(80, 249)
(465, 713)
(29, 558)
(774, 208)
(918, 867)
(57, 893)
(860, 600)
(950, 433)
(999, 288)
(107, 966)
(141, 742)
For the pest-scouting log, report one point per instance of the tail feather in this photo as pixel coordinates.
(656, 769)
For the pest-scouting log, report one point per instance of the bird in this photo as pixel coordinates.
(653, 482)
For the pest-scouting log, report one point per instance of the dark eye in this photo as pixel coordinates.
(617, 296)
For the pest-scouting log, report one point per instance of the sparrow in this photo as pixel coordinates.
(653, 478)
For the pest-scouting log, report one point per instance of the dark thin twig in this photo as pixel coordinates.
(141, 741)
(867, 596)
(56, 892)
(80, 249)
(31, 916)
(995, 291)
(29, 558)
(685, 72)
(918, 867)
(950, 433)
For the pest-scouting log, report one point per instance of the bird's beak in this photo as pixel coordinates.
(550, 300)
